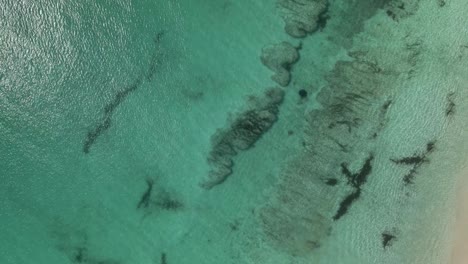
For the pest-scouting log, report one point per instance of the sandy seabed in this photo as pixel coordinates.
(460, 248)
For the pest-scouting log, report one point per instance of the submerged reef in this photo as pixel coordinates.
(301, 17)
(341, 138)
(241, 135)
(355, 14)
(279, 58)
(323, 19)
(400, 9)
(308, 199)
(297, 218)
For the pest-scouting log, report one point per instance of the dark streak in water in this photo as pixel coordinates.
(109, 109)
(80, 255)
(156, 57)
(346, 203)
(430, 146)
(346, 172)
(356, 180)
(412, 160)
(78, 252)
(366, 169)
(106, 122)
(145, 198)
(382, 118)
(416, 160)
(167, 203)
(409, 177)
(155, 199)
(450, 110)
(159, 37)
(386, 105)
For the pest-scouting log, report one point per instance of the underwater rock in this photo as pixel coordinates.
(279, 58)
(301, 16)
(241, 135)
(331, 182)
(163, 258)
(302, 93)
(387, 239)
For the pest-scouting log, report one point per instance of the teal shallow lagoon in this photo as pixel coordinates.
(152, 82)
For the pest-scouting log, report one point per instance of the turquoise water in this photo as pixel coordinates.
(148, 131)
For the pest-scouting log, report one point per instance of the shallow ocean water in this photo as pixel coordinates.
(115, 115)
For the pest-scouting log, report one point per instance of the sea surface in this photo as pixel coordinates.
(194, 131)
